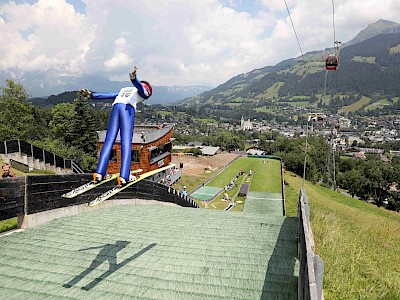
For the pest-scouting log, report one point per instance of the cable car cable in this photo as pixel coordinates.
(301, 51)
(333, 22)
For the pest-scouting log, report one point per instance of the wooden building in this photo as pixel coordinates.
(151, 148)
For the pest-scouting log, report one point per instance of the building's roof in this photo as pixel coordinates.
(255, 152)
(142, 134)
(207, 150)
(155, 252)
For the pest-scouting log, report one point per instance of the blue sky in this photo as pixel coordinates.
(173, 42)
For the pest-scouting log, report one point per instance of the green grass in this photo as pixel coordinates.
(299, 97)
(265, 109)
(291, 199)
(8, 224)
(367, 59)
(207, 120)
(359, 243)
(272, 92)
(378, 104)
(297, 103)
(394, 50)
(20, 173)
(192, 181)
(234, 104)
(266, 178)
(356, 105)
(343, 157)
(165, 113)
(15, 171)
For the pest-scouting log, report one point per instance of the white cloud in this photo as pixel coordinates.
(57, 36)
(174, 41)
(121, 58)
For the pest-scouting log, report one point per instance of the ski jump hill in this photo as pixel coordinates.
(149, 243)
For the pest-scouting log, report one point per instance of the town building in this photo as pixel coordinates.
(245, 125)
(151, 148)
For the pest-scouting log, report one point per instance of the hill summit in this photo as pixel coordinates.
(379, 27)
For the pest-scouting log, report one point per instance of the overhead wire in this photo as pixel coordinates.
(295, 33)
(336, 47)
(334, 27)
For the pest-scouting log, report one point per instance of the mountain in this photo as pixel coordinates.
(379, 27)
(368, 67)
(41, 84)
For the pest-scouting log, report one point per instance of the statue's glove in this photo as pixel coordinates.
(85, 93)
(132, 75)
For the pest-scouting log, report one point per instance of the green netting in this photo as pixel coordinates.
(264, 203)
(152, 252)
(206, 193)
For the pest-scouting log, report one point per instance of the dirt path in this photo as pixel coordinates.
(197, 165)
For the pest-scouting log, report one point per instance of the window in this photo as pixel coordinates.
(135, 156)
(113, 155)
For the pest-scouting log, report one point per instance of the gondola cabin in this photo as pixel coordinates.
(151, 148)
(331, 62)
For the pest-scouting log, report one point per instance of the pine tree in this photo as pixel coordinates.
(84, 128)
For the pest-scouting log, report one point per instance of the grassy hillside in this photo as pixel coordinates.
(359, 243)
(356, 105)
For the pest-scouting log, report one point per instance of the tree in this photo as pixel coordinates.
(62, 118)
(17, 118)
(84, 134)
(355, 183)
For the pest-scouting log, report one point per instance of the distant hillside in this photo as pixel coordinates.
(367, 68)
(161, 94)
(41, 84)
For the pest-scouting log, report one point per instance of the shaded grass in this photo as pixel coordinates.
(291, 199)
(359, 243)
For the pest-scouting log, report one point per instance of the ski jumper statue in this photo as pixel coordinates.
(122, 119)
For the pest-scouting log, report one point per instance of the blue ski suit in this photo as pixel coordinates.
(122, 119)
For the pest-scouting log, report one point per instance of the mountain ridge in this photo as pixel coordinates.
(307, 79)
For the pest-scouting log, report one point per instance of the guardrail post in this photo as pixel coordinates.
(19, 146)
(5, 147)
(32, 152)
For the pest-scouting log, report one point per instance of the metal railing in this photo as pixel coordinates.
(24, 148)
(311, 265)
(184, 197)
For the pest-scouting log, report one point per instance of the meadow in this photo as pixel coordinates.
(359, 242)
